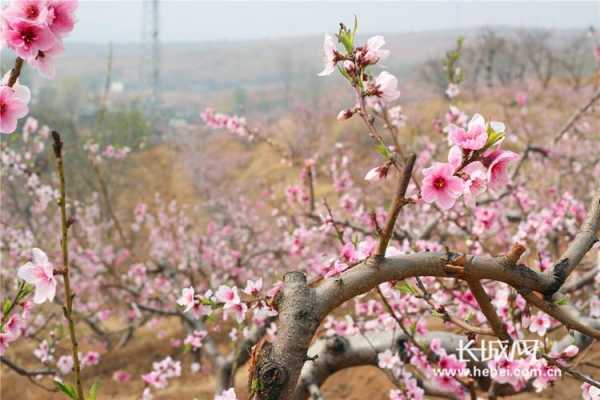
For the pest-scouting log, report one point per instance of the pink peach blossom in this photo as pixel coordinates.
(121, 376)
(4, 342)
(455, 116)
(40, 273)
(35, 11)
(588, 391)
(44, 61)
(374, 52)
(65, 364)
(253, 288)
(61, 18)
(90, 358)
(21, 91)
(227, 295)
(378, 173)
(540, 324)
(476, 182)
(187, 298)
(329, 55)
(570, 351)
(195, 339)
(452, 91)
(498, 169)
(455, 157)
(27, 38)
(441, 186)
(12, 107)
(474, 137)
(383, 88)
(14, 326)
(521, 98)
(236, 310)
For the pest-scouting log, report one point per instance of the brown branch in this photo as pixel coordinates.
(399, 202)
(574, 373)
(487, 308)
(399, 321)
(278, 366)
(564, 314)
(15, 72)
(338, 232)
(586, 279)
(311, 188)
(107, 202)
(332, 292)
(68, 308)
(25, 372)
(30, 375)
(583, 242)
(329, 355)
(576, 115)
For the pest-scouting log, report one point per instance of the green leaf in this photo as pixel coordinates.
(66, 389)
(346, 38)
(493, 137)
(93, 391)
(384, 151)
(6, 306)
(435, 313)
(207, 302)
(562, 301)
(413, 328)
(355, 29)
(344, 73)
(406, 288)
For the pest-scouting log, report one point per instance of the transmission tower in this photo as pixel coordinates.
(151, 54)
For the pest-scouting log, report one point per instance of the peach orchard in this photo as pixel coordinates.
(487, 227)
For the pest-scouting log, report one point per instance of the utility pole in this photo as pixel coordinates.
(151, 55)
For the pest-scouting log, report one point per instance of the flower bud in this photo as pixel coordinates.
(345, 114)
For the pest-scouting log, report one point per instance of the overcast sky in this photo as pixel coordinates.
(121, 21)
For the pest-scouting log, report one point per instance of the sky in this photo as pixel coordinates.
(189, 21)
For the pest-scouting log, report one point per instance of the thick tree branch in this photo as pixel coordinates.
(565, 314)
(333, 292)
(586, 279)
(330, 355)
(278, 366)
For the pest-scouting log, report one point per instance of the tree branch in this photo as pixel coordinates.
(488, 309)
(399, 202)
(332, 354)
(576, 115)
(583, 242)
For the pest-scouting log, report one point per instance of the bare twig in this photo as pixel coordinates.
(576, 115)
(399, 202)
(583, 242)
(488, 309)
(15, 72)
(68, 309)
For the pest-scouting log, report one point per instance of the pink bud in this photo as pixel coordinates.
(570, 352)
(345, 114)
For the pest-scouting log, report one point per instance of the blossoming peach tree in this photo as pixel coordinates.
(495, 259)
